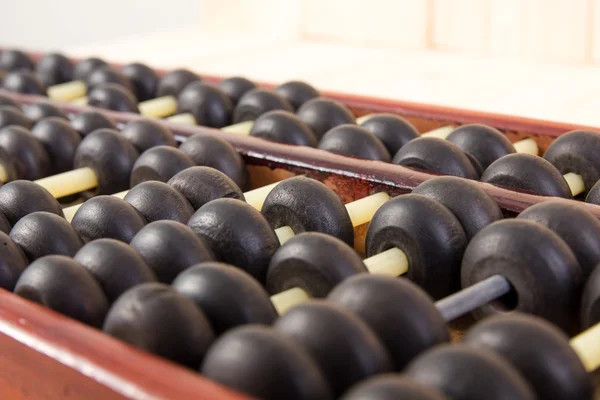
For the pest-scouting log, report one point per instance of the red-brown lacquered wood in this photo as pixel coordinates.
(351, 178)
(44, 355)
(425, 116)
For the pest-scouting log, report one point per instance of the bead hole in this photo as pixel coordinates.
(507, 302)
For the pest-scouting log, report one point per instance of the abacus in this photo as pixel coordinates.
(319, 242)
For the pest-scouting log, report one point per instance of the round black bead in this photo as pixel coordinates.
(541, 268)
(307, 205)
(237, 234)
(169, 248)
(60, 141)
(474, 208)
(4, 224)
(38, 111)
(115, 266)
(19, 198)
(263, 352)
(200, 185)
(354, 141)
(12, 262)
(174, 82)
(87, 122)
(393, 130)
(7, 101)
(430, 236)
(13, 116)
(257, 102)
(575, 225)
(156, 318)
(482, 142)
(593, 195)
(392, 387)
(54, 68)
(159, 163)
(41, 234)
(111, 96)
(590, 300)
(283, 127)
(145, 133)
(465, 373)
(529, 173)
(343, 346)
(314, 262)
(14, 60)
(84, 67)
(436, 155)
(111, 157)
(297, 92)
(25, 82)
(107, 217)
(208, 105)
(577, 152)
(143, 79)
(8, 163)
(235, 87)
(31, 161)
(157, 201)
(217, 289)
(211, 151)
(63, 285)
(106, 75)
(322, 115)
(412, 325)
(539, 351)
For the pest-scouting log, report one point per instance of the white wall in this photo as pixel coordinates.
(57, 24)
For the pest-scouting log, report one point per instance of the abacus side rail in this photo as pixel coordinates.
(48, 356)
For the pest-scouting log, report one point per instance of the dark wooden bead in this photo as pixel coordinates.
(9, 165)
(12, 262)
(314, 262)
(19, 198)
(31, 161)
(413, 316)
(38, 111)
(283, 127)
(590, 300)
(107, 217)
(13, 116)
(111, 96)
(106, 75)
(436, 155)
(211, 151)
(226, 226)
(111, 157)
(307, 205)
(541, 268)
(393, 130)
(7, 101)
(262, 352)
(174, 82)
(208, 105)
(42, 233)
(354, 141)
(87, 122)
(159, 163)
(169, 248)
(63, 285)
(60, 141)
(115, 266)
(465, 373)
(528, 173)
(482, 142)
(165, 323)
(228, 296)
(257, 102)
(25, 82)
(203, 184)
(297, 92)
(143, 80)
(539, 351)
(235, 87)
(474, 208)
(54, 68)
(392, 387)
(322, 115)
(84, 67)
(15, 60)
(430, 236)
(145, 133)
(157, 201)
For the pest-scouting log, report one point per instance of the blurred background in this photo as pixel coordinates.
(536, 58)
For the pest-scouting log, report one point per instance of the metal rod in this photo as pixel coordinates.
(473, 297)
